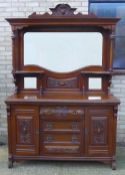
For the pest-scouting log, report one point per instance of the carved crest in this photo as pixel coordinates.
(61, 10)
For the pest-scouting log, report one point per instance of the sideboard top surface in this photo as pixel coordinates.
(65, 98)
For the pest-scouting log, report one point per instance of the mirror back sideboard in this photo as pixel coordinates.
(62, 108)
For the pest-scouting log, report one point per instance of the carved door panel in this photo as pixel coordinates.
(99, 129)
(25, 130)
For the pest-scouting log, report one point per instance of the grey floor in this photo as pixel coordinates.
(61, 168)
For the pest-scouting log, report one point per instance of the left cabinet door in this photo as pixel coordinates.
(25, 130)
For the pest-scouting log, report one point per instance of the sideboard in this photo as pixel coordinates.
(62, 118)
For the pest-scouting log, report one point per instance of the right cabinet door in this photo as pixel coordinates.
(100, 131)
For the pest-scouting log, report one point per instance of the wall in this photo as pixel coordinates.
(22, 8)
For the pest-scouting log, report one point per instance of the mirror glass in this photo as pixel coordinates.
(30, 83)
(63, 51)
(95, 83)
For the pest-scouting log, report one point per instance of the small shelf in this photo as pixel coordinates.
(96, 73)
(28, 72)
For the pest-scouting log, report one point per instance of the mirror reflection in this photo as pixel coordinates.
(95, 83)
(30, 83)
(63, 51)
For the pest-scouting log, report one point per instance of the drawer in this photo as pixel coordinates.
(61, 150)
(61, 126)
(61, 138)
(62, 112)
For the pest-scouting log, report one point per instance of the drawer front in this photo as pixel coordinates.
(62, 113)
(61, 150)
(58, 126)
(61, 138)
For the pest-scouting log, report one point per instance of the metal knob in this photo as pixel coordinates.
(49, 126)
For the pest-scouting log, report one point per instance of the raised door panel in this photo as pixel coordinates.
(25, 130)
(99, 131)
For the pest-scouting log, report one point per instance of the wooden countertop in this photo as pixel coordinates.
(63, 98)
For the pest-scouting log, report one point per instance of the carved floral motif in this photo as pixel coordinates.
(25, 127)
(59, 10)
(66, 83)
(99, 131)
(61, 111)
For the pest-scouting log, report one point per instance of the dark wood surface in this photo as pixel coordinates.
(62, 119)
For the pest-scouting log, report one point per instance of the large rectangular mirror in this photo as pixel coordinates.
(63, 51)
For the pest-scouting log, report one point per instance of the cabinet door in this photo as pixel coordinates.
(25, 120)
(99, 131)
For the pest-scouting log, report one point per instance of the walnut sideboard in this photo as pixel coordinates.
(62, 129)
(62, 115)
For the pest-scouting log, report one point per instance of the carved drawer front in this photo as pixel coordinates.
(61, 138)
(61, 150)
(61, 126)
(62, 83)
(62, 112)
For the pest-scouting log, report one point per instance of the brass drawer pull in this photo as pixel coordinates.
(49, 126)
(75, 113)
(62, 83)
(49, 138)
(74, 125)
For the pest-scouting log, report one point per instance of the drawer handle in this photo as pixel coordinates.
(49, 126)
(75, 113)
(74, 125)
(99, 130)
(62, 83)
(49, 138)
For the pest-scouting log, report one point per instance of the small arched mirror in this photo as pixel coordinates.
(63, 51)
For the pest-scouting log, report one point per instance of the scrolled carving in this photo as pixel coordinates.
(56, 111)
(62, 83)
(60, 111)
(61, 10)
(18, 27)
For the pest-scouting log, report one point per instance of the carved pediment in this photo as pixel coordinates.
(61, 10)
